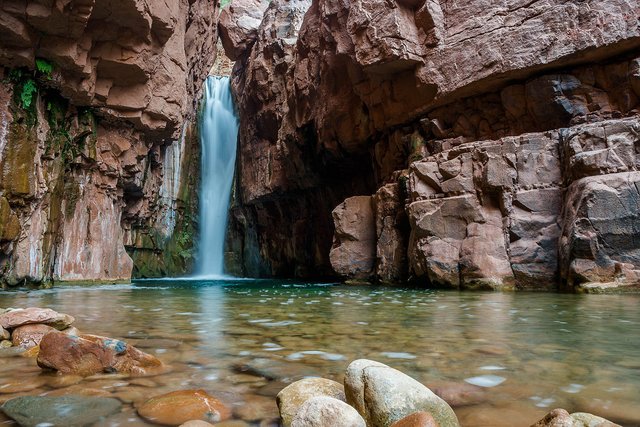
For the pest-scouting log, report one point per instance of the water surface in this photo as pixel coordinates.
(245, 340)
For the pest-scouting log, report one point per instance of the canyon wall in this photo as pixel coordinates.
(98, 142)
(482, 145)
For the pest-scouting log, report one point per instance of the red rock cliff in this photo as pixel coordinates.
(502, 138)
(96, 141)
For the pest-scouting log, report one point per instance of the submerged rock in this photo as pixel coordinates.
(292, 397)
(92, 354)
(325, 411)
(178, 407)
(68, 411)
(561, 418)
(384, 395)
(29, 336)
(14, 318)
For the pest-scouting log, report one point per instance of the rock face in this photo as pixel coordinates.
(95, 137)
(486, 135)
(90, 354)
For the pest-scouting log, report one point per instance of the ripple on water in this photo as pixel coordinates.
(486, 380)
(322, 354)
(397, 355)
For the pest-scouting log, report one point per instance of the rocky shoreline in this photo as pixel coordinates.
(373, 394)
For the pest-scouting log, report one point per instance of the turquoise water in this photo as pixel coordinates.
(245, 340)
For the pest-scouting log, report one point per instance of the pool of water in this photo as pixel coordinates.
(244, 340)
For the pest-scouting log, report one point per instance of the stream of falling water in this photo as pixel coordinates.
(218, 139)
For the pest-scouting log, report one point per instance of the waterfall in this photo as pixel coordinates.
(218, 138)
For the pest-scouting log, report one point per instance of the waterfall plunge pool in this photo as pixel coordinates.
(529, 352)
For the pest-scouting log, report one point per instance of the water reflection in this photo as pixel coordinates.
(528, 352)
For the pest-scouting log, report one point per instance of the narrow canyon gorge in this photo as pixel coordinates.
(464, 145)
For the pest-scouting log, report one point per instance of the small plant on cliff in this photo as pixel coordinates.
(29, 88)
(44, 67)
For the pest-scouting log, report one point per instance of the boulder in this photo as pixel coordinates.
(28, 336)
(561, 418)
(178, 407)
(291, 398)
(354, 247)
(325, 411)
(14, 318)
(383, 395)
(71, 411)
(90, 354)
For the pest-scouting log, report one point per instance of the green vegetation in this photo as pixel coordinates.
(224, 3)
(26, 94)
(44, 67)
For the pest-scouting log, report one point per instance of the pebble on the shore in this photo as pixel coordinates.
(325, 411)
(292, 397)
(178, 407)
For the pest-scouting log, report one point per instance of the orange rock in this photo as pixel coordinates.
(29, 336)
(417, 419)
(14, 318)
(92, 354)
(178, 407)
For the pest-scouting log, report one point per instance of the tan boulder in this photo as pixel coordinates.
(181, 406)
(32, 315)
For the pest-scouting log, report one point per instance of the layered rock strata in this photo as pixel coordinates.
(95, 136)
(502, 139)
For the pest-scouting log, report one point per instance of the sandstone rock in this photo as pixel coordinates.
(353, 252)
(601, 212)
(178, 407)
(196, 423)
(417, 419)
(291, 398)
(459, 394)
(31, 411)
(28, 336)
(90, 354)
(325, 411)
(383, 395)
(35, 315)
(391, 230)
(238, 26)
(4, 334)
(561, 418)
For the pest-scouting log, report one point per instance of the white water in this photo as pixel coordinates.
(218, 138)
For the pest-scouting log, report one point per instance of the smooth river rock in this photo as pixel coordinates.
(325, 411)
(178, 407)
(67, 411)
(14, 318)
(91, 354)
(291, 398)
(561, 418)
(383, 395)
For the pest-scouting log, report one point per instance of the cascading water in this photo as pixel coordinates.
(218, 139)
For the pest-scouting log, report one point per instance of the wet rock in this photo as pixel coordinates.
(178, 407)
(197, 423)
(384, 395)
(31, 411)
(5, 344)
(31, 315)
(29, 336)
(561, 418)
(27, 384)
(417, 419)
(4, 334)
(325, 411)
(256, 408)
(90, 354)
(459, 394)
(354, 248)
(291, 398)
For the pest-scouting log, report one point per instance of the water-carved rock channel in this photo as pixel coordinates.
(498, 359)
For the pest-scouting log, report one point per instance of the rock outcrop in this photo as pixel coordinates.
(490, 137)
(97, 139)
